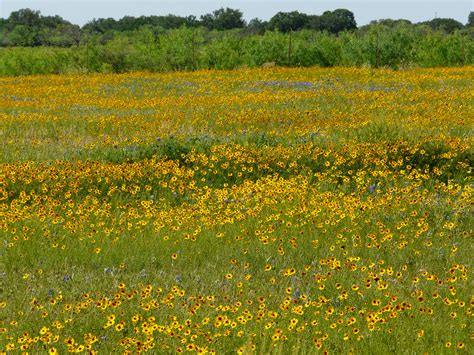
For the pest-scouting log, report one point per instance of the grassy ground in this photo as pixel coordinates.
(278, 210)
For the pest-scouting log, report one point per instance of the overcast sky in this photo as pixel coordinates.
(82, 11)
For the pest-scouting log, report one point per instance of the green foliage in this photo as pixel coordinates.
(333, 21)
(224, 51)
(176, 49)
(26, 27)
(271, 47)
(223, 19)
(389, 46)
(256, 27)
(394, 45)
(437, 50)
(447, 25)
(288, 21)
(316, 48)
(27, 61)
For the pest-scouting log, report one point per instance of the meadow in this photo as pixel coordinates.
(284, 211)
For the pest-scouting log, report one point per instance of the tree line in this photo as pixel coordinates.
(287, 39)
(28, 28)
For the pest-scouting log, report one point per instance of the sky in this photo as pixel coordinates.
(80, 12)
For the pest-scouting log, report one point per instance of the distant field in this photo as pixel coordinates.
(268, 210)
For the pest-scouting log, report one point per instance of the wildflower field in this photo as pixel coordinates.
(273, 210)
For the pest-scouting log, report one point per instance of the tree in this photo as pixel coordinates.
(470, 19)
(447, 25)
(172, 21)
(223, 19)
(23, 26)
(3, 32)
(345, 19)
(21, 36)
(288, 21)
(26, 17)
(333, 21)
(390, 22)
(129, 23)
(256, 27)
(100, 25)
(336, 21)
(28, 27)
(53, 21)
(316, 23)
(191, 21)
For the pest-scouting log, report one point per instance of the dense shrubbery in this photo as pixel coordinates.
(188, 49)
